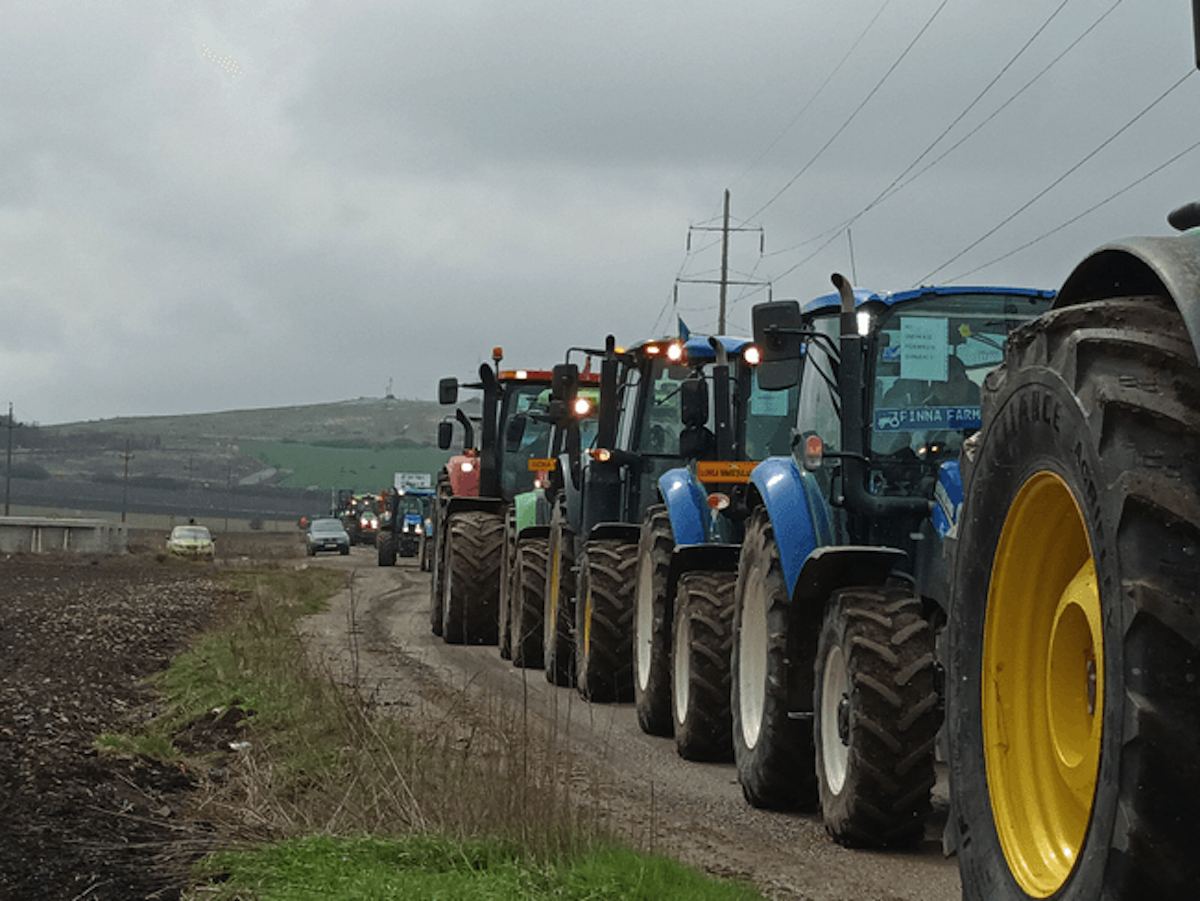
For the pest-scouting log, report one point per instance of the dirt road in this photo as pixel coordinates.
(377, 634)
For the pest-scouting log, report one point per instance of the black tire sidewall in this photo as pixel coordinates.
(653, 702)
(1036, 425)
(777, 773)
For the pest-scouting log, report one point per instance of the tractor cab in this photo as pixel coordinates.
(889, 390)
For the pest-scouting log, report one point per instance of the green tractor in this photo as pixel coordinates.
(570, 409)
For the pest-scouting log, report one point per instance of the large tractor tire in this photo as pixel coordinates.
(528, 603)
(558, 642)
(1074, 642)
(652, 623)
(604, 620)
(474, 543)
(877, 713)
(385, 547)
(437, 587)
(774, 752)
(701, 647)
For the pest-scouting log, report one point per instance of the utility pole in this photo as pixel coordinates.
(127, 456)
(724, 265)
(724, 281)
(8, 461)
(853, 268)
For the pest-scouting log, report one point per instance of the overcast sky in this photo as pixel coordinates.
(225, 205)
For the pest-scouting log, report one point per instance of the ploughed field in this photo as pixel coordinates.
(78, 637)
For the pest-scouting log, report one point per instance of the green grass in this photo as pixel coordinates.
(333, 800)
(251, 657)
(334, 464)
(431, 867)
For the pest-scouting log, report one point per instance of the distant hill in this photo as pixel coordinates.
(354, 444)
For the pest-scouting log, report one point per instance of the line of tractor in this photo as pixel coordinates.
(952, 521)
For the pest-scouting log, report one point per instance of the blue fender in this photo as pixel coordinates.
(687, 506)
(947, 499)
(799, 512)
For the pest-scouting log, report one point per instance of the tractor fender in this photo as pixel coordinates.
(687, 505)
(799, 512)
(829, 568)
(711, 557)
(530, 510)
(826, 570)
(620, 531)
(1165, 266)
(533, 532)
(486, 504)
(464, 475)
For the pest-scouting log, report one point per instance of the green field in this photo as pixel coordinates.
(359, 467)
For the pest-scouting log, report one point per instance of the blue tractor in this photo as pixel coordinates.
(842, 582)
(404, 522)
(688, 549)
(597, 512)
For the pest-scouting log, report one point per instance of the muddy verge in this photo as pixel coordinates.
(78, 638)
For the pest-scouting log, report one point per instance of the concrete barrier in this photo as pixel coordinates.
(40, 534)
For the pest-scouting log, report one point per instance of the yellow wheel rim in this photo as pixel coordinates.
(1043, 685)
(552, 617)
(587, 621)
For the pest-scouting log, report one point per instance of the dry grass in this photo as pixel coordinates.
(322, 759)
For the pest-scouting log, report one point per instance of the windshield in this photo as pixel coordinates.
(931, 355)
(769, 419)
(190, 533)
(527, 435)
(327, 527)
(414, 503)
(658, 430)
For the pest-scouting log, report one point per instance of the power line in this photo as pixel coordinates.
(1111, 197)
(970, 106)
(897, 185)
(1009, 218)
(813, 98)
(857, 110)
(1050, 65)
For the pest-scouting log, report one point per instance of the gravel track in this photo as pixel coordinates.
(377, 634)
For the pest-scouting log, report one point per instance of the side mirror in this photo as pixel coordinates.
(564, 381)
(448, 392)
(514, 431)
(777, 330)
(445, 436)
(696, 444)
(693, 402)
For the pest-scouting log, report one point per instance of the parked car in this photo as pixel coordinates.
(327, 535)
(191, 541)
